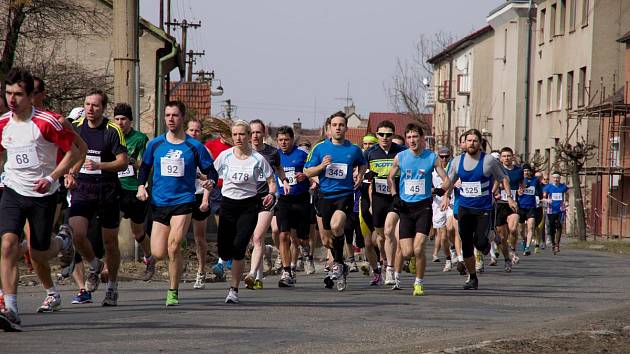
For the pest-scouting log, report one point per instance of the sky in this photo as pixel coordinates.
(280, 60)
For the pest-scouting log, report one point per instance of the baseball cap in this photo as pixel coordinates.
(76, 113)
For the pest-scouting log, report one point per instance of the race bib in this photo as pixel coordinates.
(337, 170)
(240, 174)
(2, 177)
(96, 159)
(381, 186)
(414, 187)
(23, 157)
(126, 173)
(530, 190)
(504, 196)
(172, 167)
(471, 189)
(290, 175)
(261, 177)
(556, 196)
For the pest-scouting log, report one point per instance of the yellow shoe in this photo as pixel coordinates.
(418, 289)
(258, 284)
(412, 265)
(249, 281)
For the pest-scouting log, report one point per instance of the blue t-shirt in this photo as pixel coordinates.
(516, 177)
(532, 189)
(292, 162)
(556, 194)
(336, 180)
(175, 169)
(416, 175)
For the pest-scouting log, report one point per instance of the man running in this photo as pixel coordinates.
(174, 158)
(95, 190)
(380, 158)
(554, 196)
(440, 217)
(476, 172)
(527, 208)
(414, 196)
(31, 139)
(506, 217)
(131, 207)
(333, 162)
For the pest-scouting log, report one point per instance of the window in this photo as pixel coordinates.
(563, 16)
(541, 33)
(581, 86)
(570, 90)
(572, 14)
(549, 91)
(585, 11)
(552, 22)
(559, 92)
(538, 97)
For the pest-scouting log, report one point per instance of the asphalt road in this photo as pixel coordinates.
(543, 292)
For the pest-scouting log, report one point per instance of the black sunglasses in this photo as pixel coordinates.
(384, 135)
(444, 157)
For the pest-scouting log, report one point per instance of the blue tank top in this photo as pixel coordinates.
(532, 189)
(416, 175)
(476, 187)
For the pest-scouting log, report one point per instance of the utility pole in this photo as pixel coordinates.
(125, 32)
(190, 61)
(168, 15)
(162, 15)
(204, 76)
(184, 26)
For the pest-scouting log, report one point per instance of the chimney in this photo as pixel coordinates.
(297, 127)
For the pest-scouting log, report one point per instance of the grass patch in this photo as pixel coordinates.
(610, 246)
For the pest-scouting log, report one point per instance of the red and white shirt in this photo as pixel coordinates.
(31, 147)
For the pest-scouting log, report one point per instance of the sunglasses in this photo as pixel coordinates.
(445, 157)
(384, 135)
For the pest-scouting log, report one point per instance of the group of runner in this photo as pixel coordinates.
(385, 197)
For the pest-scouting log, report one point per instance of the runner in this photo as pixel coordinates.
(293, 208)
(452, 225)
(333, 161)
(415, 167)
(309, 264)
(366, 220)
(174, 158)
(553, 195)
(506, 217)
(95, 191)
(476, 172)
(380, 158)
(440, 217)
(130, 206)
(240, 168)
(527, 206)
(265, 215)
(200, 213)
(31, 138)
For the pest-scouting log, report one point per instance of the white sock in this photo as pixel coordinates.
(419, 281)
(493, 248)
(460, 258)
(259, 275)
(51, 291)
(10, 301)
(396, 275)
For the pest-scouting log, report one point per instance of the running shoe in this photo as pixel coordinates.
(94, 276)
(522, 246)
(10, 321)
(412, 265)
(396, 285)
(365, 269)
(448, 266)
(328, 283)
(543, 246)
(83, 297)
(337, 271)
(310, 266)
(249, 281)
(286, 280)
(377, 279)
(228, 264)
(51, 303)
(66, 255)
(527, 251)
(436, 259)
(258, 284)
(537, 249)
(341, 282)
(461, 268)
(479, 264)
(200, 281)
(150, 269)
(219, 271)
(493, 262)
(354, 268)
(278, 264)
(418, 289)
(172, 298)
(508, 266)
(232, 297)
(268, 255)
(111, 298)
(515, 258)
(300, 265)
(389, 276)
(471, 284)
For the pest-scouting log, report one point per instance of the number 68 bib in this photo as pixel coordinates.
(23, 157)
(172, 167)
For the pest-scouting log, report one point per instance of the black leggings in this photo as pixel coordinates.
(474, 226)
(236, 226)
(554, 227)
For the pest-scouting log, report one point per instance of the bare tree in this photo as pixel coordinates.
(572, 158)
(407, 89)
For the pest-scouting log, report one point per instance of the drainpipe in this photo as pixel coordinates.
(527, 77)
(160, 97)
(449, 102)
